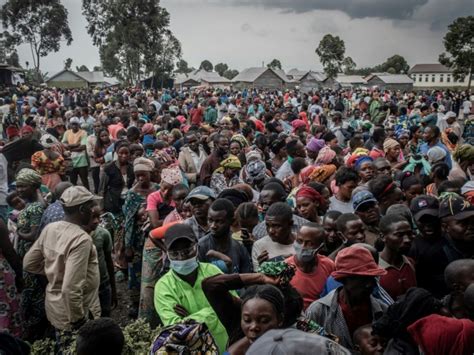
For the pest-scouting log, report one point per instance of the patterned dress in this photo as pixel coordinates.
(10, 315)
(50, 170)
(32, 296)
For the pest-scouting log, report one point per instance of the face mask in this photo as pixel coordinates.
(305, 255)
(184, 267)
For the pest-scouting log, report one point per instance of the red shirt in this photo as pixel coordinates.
(311, 285)
(196, 116)
(397, 281)
(354, 318)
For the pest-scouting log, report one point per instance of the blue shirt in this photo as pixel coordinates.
(425, 147)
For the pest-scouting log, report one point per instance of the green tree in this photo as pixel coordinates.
(331, 51)
(14, 59)
(206, 65)
(68, 64)
(42, 24)
(396, 64)
(132, 36)
(349, 65)
(230, 74)
(97, 68)
(82, 68)
(459, 45)
(182, 67)
(274, 64)
(221, 68)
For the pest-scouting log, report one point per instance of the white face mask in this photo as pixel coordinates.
(184, 267)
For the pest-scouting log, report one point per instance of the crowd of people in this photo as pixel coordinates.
(251, 221)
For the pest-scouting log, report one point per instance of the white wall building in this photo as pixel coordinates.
(434, 76)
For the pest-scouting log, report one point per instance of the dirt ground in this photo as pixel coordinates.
(120, 314)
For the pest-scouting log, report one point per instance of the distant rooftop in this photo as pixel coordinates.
(429, 68)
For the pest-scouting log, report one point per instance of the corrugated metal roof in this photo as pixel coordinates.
(314, 75)
(201, 75)
(350, 79)
(429, 68)
(394, 79)
(93, 77)
(249, 75)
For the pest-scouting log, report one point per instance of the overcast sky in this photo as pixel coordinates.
(245, 33)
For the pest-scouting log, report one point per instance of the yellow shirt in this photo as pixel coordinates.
(66, 254)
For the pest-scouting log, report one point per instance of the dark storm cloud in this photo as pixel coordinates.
(389, 9)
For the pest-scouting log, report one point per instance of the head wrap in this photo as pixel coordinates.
(315, 145)
(255, 171)
(241, 139)
(436, 334)
(172, 175)
(26, 129)
(463, 153)
(47, 140)
(298, 124)
(309, 192)
(143, 164)
(435, 154)
(28, 177)
(413, 163)
(317, 173)
(402, 132)
(253, 155)
(148, 128)
(360, 160)
(355, 155)
(389, 143)
(325, 156)
(231, 162)
(12, 131)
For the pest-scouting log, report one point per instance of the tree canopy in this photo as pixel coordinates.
(396, 64)
(206, 65)
(133, 37)
(274, 64)
(182, 67)
(230, 74)
(459, 45)
(221, 68)
(349, 65)
(68, 64)
(42, 24)
(82, 68)
(331, 51)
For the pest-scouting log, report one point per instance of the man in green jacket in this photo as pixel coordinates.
(210, 116)
(178, 294)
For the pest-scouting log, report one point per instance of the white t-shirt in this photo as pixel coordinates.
(466, 106)
(274, 250)
(343, 207)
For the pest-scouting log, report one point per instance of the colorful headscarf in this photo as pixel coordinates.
(241, 139)
(315, 145)
(309, 192)
(26, 129)
(231, 162)
(255, 171)
(28, 177)
(143, 164)
(325, 156)
(148, 128)
(47, 140)
(356, 154)
(389, 143)
(323, 172)
(306, 173)
(296, 124)
(360, 160)
(172, 175)
(463, 153)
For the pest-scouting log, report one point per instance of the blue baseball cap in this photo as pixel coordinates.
(201, 193)
(361, 198)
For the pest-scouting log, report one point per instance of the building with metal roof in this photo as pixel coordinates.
(262, 78)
